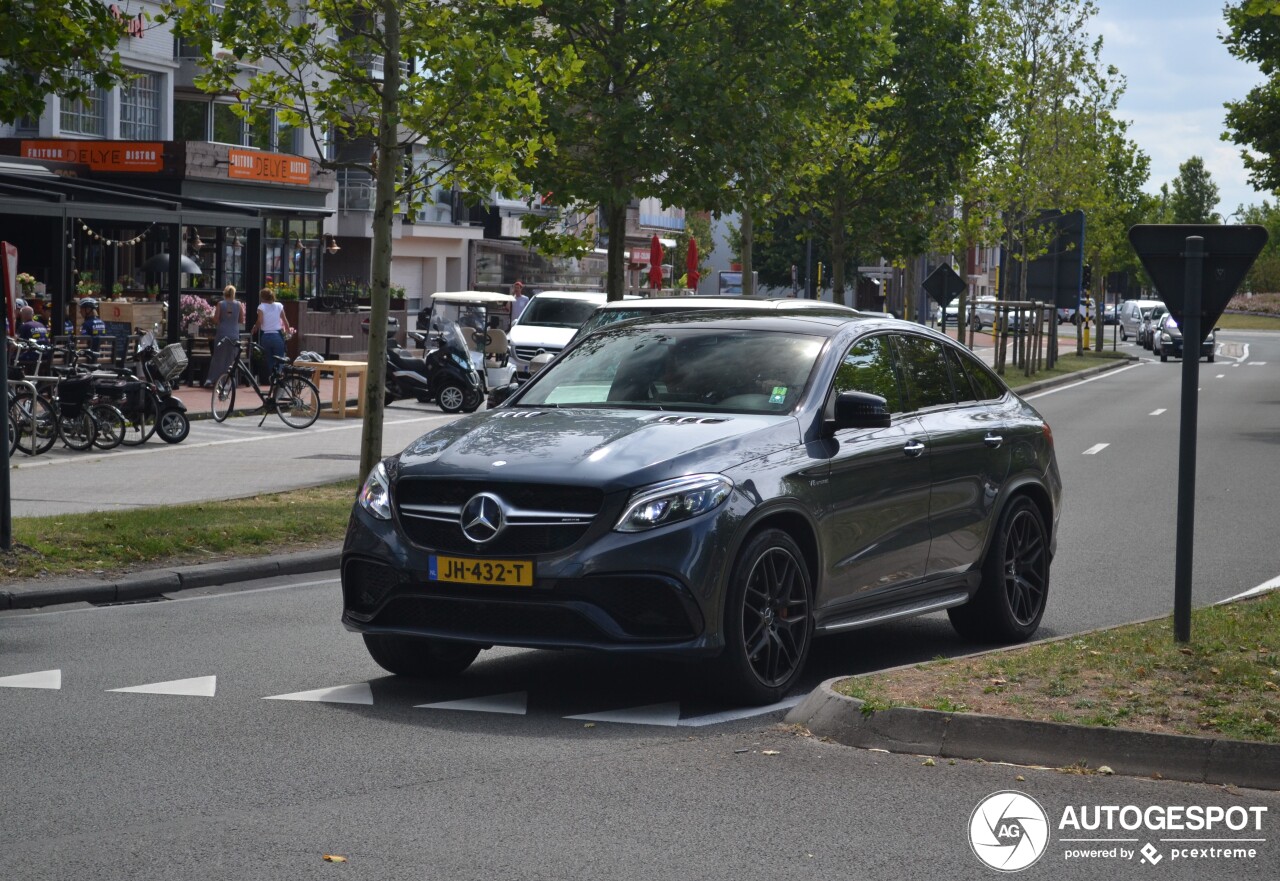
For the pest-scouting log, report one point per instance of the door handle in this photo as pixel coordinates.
(993, 440)
(913, 449)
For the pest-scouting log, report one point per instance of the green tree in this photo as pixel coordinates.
(1253, 122)
(1264, 275)
(1194, 195)
(56, 47)
(451, 81)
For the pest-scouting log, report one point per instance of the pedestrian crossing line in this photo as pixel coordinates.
(51, 679)
(665, 714)
(1096, 449)
(198, 686)
(1158, 412)
(515, 703)
(356, 693)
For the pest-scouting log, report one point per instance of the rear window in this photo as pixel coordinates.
(545, 311)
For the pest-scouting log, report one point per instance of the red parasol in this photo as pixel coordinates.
(655, 263)
(691, 265)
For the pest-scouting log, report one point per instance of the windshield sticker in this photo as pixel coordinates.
(779, 394)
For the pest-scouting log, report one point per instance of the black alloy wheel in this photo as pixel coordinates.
(419, 657)
(173, 427)
(768, 619)
(1015, 580)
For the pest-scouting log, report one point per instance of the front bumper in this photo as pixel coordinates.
(659, 591)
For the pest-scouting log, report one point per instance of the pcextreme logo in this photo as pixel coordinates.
(1008, 831)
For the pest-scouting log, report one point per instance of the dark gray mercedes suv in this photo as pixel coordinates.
(719, 485)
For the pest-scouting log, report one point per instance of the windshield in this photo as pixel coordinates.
(745, 371)
(556, 312)
(451, 338)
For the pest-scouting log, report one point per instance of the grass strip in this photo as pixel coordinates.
(1224, 683)
(108, 542)
(1248, 322)
(1068, 362)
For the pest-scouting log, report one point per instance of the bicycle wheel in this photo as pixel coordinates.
(140, 424)
(111, 426)
(224, 396)
(78, 432)
(37, 427)
(297, 401)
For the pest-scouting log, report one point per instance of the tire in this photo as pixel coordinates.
(110, 424)
(1208, 359)
(419, 657)
(140, 425)
(37, 426)
(473, 402)
(173, 426)
(768, 620)
(223, 402)
(297, 401)
(78, 432)
(451, 397)
(1124, 336)
(1011, 598)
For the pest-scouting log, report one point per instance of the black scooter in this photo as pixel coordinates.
(159, 368)
(445, 375)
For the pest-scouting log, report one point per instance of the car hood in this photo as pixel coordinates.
(610, 449)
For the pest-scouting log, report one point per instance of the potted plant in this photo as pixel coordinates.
(27, 282)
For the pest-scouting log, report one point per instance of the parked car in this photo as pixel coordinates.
(1146, 331)
(725, 487)
(624, 310)
(1072, 314)
(1132, 314)
(1111, 314)
(1167, 340)
(548, 322)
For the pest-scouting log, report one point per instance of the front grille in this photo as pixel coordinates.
(528, 353)
(539, 496)
(514, 541)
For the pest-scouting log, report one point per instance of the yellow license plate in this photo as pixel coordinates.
(461, 570)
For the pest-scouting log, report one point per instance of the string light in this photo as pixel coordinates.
(94, 234)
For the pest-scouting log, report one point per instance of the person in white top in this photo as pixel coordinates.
(273, 329)
(517, 290)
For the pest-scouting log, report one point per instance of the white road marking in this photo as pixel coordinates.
(1220, 375)
(43, 679)
(198, 686)
(1063, 388)
(515, 703)
(1096, 449)
(1158, 412)
(744, 713)
(667, 714)
(358, 693)
(1265, 587)
(1257, 363)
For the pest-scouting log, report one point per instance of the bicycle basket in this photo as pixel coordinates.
(172, 360)
(73, 393)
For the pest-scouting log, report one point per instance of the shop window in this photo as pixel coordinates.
(190, 120)
(227, 127)
(140, 107)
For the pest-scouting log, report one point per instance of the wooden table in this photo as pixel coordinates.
(340, 370)
(328, 340)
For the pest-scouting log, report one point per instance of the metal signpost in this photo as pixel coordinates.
(1196, 269)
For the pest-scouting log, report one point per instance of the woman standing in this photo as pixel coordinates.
(230, 312)
(273, 328)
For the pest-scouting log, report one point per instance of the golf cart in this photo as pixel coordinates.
(484, 319)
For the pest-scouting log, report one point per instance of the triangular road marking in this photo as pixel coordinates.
(43, 679)
(515, 703)
(199, 686)
(359, 693)
(651, 714)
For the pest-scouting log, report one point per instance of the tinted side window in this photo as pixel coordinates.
(964, 390)
(868, 367)
(985, 383)
(924, 371)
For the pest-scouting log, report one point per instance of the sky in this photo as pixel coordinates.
(1179, 75)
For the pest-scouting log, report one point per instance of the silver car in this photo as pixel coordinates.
(1132, 314)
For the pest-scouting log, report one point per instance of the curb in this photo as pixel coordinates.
(829, 714)
(1032, 387)
(152, 583)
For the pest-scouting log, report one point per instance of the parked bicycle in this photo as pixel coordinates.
(69, 408)
(291, 394)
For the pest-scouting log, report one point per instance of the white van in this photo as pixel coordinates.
(548, 322)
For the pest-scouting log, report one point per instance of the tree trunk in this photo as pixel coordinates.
(748, 232)
(837, 255)
(615, 216)
(910, 287)
(388, 165)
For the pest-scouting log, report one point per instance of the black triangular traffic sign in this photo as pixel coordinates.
(1229, 251)
(943, 285)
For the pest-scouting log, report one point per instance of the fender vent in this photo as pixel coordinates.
(690, 420)
(518, 414)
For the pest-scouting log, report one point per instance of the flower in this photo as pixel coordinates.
(197, 314)
(27, 282)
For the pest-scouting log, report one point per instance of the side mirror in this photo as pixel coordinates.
(859, 410)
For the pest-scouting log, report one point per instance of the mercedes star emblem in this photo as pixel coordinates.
(482, 518)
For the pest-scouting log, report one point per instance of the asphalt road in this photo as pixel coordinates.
(222, 782)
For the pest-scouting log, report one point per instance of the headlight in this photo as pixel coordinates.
(674, 500)
(462, 362)
(1166, 337)
(375, 495)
